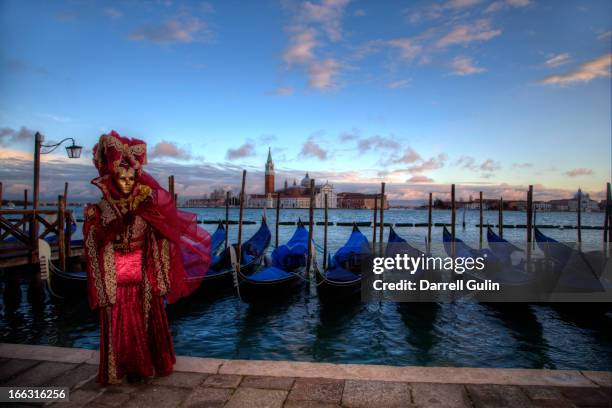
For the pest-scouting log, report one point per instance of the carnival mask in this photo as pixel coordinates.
(125, 179)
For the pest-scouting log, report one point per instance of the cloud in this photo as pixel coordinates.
(310, 148)
(598, 67)
(505, 4)
(465, 66)
(348, 136)
(467, 162)
(246, 150)
(113, 13)
(433, 163)
(301, 47)
(419, 179)
(174, 30)
(557, 60)
(581, 171)
(409, 156)
(407, 47)
(328, 14)
(267, 138)
(522, 165)
(322, 74)
(402, 83)
(480, 30)
(359, 13)
(56, 118)
(605, 36)
(490, 166)
(8, 135)
(170, 150)
(376, 143)
(283, 91)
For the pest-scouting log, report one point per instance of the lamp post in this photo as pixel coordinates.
(73, 151)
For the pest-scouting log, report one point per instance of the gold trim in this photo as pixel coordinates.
(92, 254)
(112, 365)
(110, 280)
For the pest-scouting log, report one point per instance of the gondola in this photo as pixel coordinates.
(572, 270)
(217, 239)
(284, 274)
(61, 284)
(501, 247)
(220, 275)
(50, 238)
(342, 278)
(396, 245)
(515, 283)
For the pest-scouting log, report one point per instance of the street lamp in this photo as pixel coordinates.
(73, 151)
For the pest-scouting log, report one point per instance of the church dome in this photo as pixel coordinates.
(305, 181)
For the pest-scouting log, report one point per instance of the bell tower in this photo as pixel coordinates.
(269, 182)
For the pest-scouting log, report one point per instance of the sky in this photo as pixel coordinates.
(492, 95)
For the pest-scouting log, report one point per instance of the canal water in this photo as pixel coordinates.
(301, 329)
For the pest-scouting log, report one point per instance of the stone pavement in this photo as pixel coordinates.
(201, 382)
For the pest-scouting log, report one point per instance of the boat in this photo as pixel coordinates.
(502, 248)
(217, 239)
(515, 283)
(396, 245)
(573, 271)
(283, 274)
(220, 275)
(50, 238)
(342, 278)
(61, 284)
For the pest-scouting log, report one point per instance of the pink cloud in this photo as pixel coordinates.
(464, 34)
(322, 74)
(409, 156)
(419, 179)
(578, 172)
(596, 68)
(310, 148)
(246, 150)
(165, 149)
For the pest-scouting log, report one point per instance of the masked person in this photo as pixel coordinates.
(139, 250)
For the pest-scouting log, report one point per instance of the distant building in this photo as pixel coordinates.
(294, 196)
(359, 200)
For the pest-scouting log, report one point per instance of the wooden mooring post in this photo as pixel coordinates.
(579, 217)
(609, 210)
(453, 219)
(277, 217)
(61, 236)
(227, 201)
(500, 217)
(382, 215)
(171, 187)
(429, 222)
(480, 216)
(1, 197)
(239, 246)
(529, 225)
(310, 227)
(374, 224)
(325, 221)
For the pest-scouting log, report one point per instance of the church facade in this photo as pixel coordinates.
(291, 196)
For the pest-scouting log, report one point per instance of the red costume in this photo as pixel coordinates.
(139, 249)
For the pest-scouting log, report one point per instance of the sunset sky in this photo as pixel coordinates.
(491, 95)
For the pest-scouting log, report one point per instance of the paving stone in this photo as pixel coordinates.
(584, 396)
(317, 389)
(309, 404)
(113, 397)
(537, 393)
(41, 374)
(552, 404)
(370, 394)
(223, 380)
(440, 395)
(74, 377)
(498, 396)
(207, 397)
(156, 396)
(77, 398)
(274, 383)
(256, 398)
(179, 379)
(602, 378)
(14, 367)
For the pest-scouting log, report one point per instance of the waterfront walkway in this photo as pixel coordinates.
(205, 382)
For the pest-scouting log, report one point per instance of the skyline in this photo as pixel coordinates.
(489, 95)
